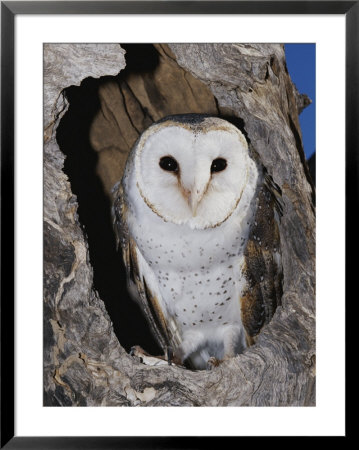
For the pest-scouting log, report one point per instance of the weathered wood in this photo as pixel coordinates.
(151, 86)
(84, 364)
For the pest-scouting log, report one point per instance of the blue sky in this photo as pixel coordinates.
(301, 66)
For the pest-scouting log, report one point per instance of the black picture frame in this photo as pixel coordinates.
(9, 10)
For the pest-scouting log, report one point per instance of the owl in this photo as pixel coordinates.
(197, 217)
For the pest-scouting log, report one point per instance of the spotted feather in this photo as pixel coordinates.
(262, 268)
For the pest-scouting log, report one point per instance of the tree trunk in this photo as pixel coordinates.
(85, 362)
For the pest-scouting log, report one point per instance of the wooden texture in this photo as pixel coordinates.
(152, 86)
(84, 364)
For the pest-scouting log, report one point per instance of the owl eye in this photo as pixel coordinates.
(168, 163)
(218, 165)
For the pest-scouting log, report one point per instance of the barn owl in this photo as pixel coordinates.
(197, 217)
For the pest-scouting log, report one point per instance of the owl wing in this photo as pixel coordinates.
(262, 267)
(141, 280)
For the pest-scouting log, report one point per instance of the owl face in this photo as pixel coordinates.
(193, 174)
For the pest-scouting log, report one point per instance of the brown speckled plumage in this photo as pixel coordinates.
(263, 275)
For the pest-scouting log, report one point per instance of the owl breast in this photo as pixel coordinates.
(197, 272)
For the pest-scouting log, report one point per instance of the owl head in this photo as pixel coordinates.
(193, 169)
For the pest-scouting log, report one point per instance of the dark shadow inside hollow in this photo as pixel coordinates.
(94, 208)
(140, 58)
(94, 203)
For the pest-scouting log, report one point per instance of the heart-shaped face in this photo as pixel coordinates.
(193, 171)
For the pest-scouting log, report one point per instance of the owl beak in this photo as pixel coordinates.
(194, 194)
(193, 201)
(195, 197)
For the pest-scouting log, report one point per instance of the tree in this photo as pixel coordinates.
(84, 362)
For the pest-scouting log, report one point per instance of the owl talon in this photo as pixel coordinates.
(212, 363)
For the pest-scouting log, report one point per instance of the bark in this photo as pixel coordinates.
(84, 363)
